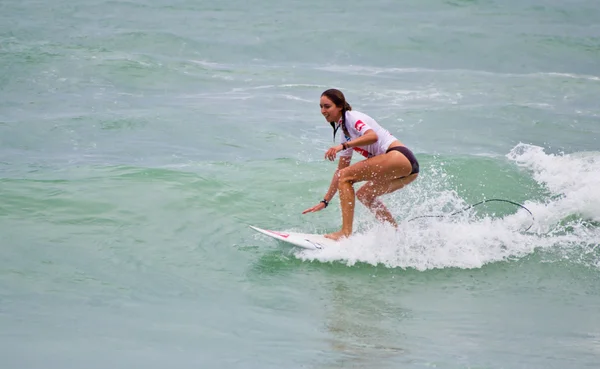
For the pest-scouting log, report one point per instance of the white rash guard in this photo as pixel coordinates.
(357, 124)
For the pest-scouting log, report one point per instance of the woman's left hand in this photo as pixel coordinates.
(332, 152)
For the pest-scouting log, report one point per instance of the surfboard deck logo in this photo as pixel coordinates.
(304, 240)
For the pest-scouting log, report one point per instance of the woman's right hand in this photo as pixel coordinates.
(319, 206)
(332, 152)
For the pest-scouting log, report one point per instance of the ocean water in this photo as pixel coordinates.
(138, 140)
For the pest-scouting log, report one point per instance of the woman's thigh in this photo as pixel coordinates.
(381, 168)
(376, 188)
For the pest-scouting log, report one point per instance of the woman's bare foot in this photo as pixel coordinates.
(336, 236)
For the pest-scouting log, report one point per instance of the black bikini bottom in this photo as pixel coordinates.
(409, 155)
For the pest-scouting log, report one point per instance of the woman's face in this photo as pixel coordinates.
(330, 111)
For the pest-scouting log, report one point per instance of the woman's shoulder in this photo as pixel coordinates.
(356, 115)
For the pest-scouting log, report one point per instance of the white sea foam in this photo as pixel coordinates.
(563, 221)
(572, 179)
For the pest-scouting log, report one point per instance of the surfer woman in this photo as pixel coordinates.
(389, 165)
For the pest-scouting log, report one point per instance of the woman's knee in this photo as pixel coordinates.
(345, 176)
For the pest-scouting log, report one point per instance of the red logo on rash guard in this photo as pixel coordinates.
(363, 152)
(359, 125)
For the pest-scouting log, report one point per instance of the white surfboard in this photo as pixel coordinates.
(305, 240)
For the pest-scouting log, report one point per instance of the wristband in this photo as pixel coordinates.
(345, 146)
(325, 202)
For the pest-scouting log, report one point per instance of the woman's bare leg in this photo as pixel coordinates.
(383, 169)
(370, 192)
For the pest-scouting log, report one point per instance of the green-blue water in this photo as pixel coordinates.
(138, 140)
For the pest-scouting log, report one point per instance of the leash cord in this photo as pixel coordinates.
(476, 204)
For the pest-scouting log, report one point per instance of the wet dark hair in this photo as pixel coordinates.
(337, 97)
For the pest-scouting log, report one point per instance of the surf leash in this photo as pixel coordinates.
(476, 204)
